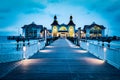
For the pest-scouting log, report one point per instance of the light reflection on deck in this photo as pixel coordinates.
(50, 46)
(81, 51)
(93, 61)
(45, 51)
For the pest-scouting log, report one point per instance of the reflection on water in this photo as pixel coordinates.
(9, 46)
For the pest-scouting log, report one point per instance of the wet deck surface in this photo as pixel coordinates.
(63, 61)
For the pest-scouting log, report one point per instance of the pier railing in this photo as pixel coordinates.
(112, 56)
(18, 51)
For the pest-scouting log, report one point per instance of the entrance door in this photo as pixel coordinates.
(62, 35)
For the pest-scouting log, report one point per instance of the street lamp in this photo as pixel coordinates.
(45, 34)
(104, 49)
(24, 52)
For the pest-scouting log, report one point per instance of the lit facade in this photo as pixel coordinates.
(32, 30)
(63, 30)
(94, 30)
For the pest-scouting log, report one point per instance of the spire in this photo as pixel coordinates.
(71, 17)
(55, 17)
(33, 22)
(55, 22)
(93, 23)
(71, 21)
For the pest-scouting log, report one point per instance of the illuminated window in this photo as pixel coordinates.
(54, 31)
(63, 28)
(95, 31)
(71, 31)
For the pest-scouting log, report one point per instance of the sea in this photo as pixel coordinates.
(8, 46)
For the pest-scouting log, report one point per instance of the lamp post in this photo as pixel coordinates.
(38, 45)
(87, 46)
(104, 57)
(24, 52)
(79, 36)
(45, 34)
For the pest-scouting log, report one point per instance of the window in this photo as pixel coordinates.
(63, 28)
(95, 31)
(71, 31)
(54, 31)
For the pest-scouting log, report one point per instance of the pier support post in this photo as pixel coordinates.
(17, 47)
(108, 44)
(28, 42)
(23, 42)
(79, 36)
(102, 43)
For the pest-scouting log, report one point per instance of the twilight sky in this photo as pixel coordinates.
(16, 13)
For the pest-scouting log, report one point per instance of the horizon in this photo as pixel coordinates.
(13, 15)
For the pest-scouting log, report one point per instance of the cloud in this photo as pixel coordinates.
(54, 1)
(17, 12)
(11, 9)
(117, 18)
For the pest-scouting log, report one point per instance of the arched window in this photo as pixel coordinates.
(63, 28)
(71, 31)
(54, 31)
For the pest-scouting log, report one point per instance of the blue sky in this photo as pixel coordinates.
(16, 13)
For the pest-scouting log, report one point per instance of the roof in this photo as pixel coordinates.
(92, 25)
(55, 22)
(33, 25)
(63, 25)
(71, 21)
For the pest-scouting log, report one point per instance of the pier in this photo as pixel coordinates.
(61, 60)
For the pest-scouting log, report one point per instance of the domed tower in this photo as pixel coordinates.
(71, 27)
(55, 27)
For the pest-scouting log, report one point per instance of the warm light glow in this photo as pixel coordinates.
(93, 60)
(54, 31)
(45, 51)
(81, 51)
(71, 44)
(95, 31)
(82, 32)
(63, 28)
(27, 62)
(71, 31)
